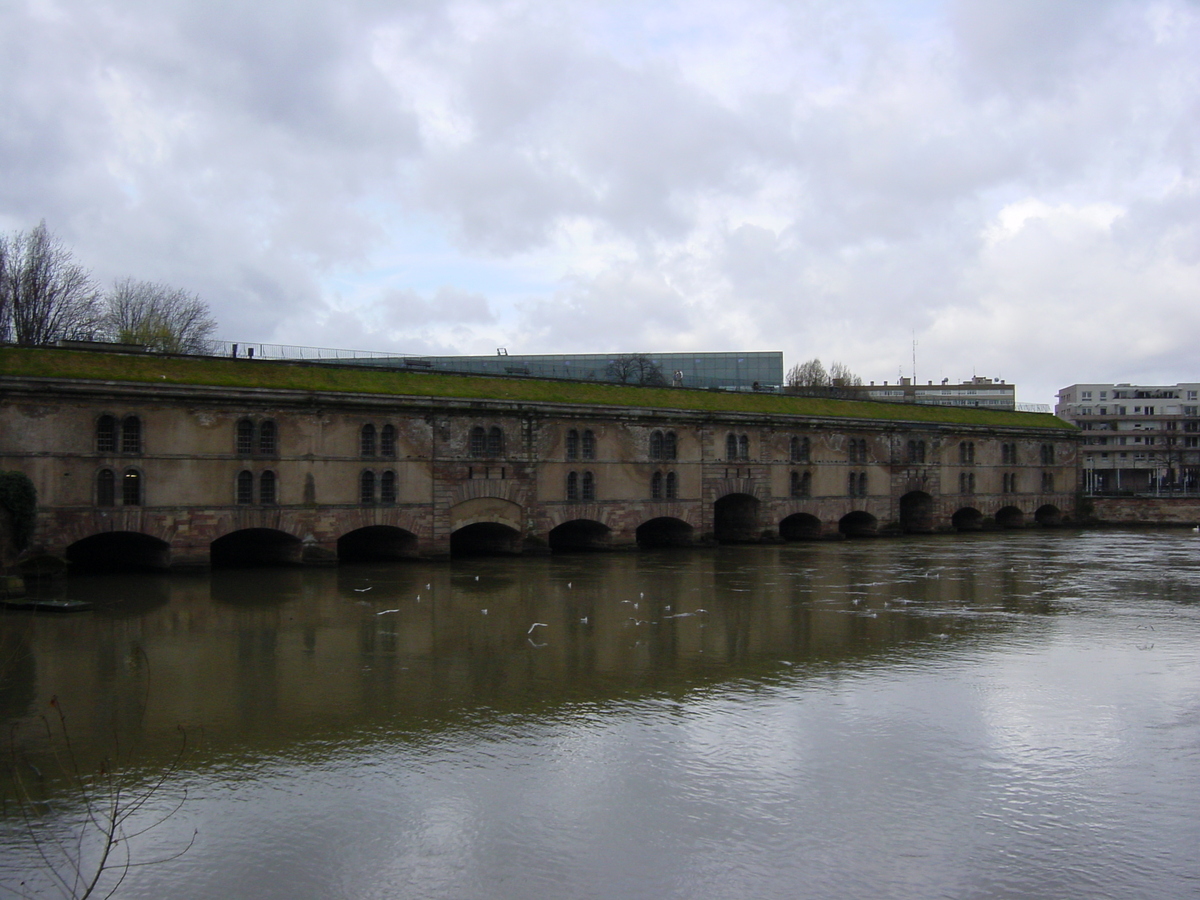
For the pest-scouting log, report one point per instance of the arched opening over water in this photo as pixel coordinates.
(117, 551)
(916, 512)
(579, 534)
(1010, 517)
(377, 543)
(256, 547)
(858, 524)
(735, 518)
(485, 539)
(800, 527)
(664, 531)
(1048, 515)
(967, 519)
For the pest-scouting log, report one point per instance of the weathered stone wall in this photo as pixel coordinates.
(187, 462)
(1146, 510)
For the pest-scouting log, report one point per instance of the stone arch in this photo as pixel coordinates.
(580, 534)
(858, 524)
(256, 547)
(735, 518)
(967, 519)
(119, 551)
(1010, 517)
(486, 510)
(916, 512)
(377, 543)
(800, 527)
(664, 531)
(485, 539)
(1048, 515)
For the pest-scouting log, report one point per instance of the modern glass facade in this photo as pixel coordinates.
(732, 371)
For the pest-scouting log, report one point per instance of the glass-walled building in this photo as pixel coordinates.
(732, 371)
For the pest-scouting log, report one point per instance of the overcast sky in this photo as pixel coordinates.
(1012, 184)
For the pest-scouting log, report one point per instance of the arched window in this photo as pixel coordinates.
(862, 484)
(572, 487)
(478, 446)
(131, 488)
(796, 484)
(106, 487)
(1047, 454)
(966, 483)
(387, 488)
(806, 484)
(387, 441)
(245, 487)
(366, 488)
(267, 445)
(589, 445)
(495, 442)
(1048, 482)
(731, 447)
(366, 443)
(920, 451)
(656, 486)
(589, 486)
(266, 488)
(670, 445)
(966, 452)
(245, 437)
(743, 447)
(106, 435)
(572, 444)
(656, 445)
(803, 450)
(671, 486)
(131, 435)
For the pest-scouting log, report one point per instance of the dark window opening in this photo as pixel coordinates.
(106, 488)
(131, 435)
(266, 488)
(387, 487)
(366, 488)
(245, 488)
(387, 441)
(131, 488)
(106, 435)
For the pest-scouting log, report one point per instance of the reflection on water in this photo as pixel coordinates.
(530, 726)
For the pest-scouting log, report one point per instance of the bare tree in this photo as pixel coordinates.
(808, 374)
(158, 316)
(841, 376)
(44, 294)
(636, 368)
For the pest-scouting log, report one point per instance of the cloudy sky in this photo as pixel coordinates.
(1013, 185)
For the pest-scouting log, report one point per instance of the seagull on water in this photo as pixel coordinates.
(536, 625)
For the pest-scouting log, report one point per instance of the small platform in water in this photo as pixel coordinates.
(36, 605)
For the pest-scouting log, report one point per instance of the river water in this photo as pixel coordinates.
(1010, 715)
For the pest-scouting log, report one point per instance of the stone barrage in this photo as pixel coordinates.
(161, 476)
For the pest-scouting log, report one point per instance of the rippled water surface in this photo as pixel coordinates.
(992, 716)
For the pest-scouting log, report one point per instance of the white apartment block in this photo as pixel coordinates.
(1138, 438)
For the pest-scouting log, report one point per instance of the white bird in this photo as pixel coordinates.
(476, 577)
(429, 587)
(384, 612)
(568, 584)
(583, 621)
(484, 611)
(362, 590)
(536, 625)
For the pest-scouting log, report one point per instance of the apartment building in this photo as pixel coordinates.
(1138, 438)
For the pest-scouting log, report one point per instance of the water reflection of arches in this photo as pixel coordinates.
(1010, 517)
(1048, 515)
(858, 524)
(967, 519)
(735, 518)
(800, 527)
(377, 543)
(664, 531)
(119, 550)
(916, 512)
(580, 534)
(256, 547)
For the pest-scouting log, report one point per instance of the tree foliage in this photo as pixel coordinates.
(45, 295)
(158, 316)
(635, 368)
(808, 374)
(813, 374)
